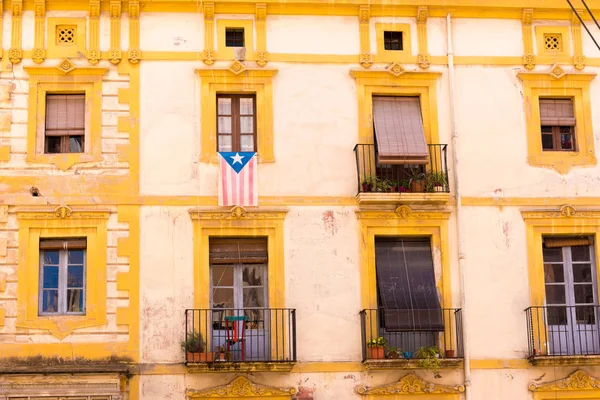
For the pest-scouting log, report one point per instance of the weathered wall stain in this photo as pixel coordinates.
(330, 223)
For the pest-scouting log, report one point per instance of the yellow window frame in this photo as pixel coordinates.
(56, 50)
(575, 86)
(259, 82)
(227, 53)
(384, 55)
(43, 80)
(565, 35)
(61, 223)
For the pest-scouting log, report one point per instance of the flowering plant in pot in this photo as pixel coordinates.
(193, 346)
(437, 181)
(393, 352)
(430, 359)
(369, 183)
(377, 348)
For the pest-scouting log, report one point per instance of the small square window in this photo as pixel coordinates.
(66, 34)
(62, 276)
(553, 42)
(234, 37)
(392, 40)
(65, 123)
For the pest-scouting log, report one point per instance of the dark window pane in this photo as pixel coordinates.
(557, 316)
(75, 300)
(234, 37)
(222, 298)
(553, 273)
(553, 255)
(76, 144)
(582, 273)
(555, 294)
(392, 40)
(53, 144)
(547, 143)
(222, 275)
(585, 315)
(566, 142)
(50, 257)
(50, 278)
(580, 253)
(50, 301)
(546, 129)
(75, 276)
(584, 294)
(76, 256)
(253, 275)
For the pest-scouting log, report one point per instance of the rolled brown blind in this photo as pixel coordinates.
(399, 130)
(557, 112)
(551, 242)
(238, 251)
(63, 244)
(65, 114)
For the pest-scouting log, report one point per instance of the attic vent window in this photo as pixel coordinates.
(392, 40)
(553, 42)
(234, 37)
(65, 34)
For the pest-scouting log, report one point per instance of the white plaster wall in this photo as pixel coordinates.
(487, 37)
(166, 281)
(312, 34)
(172, 31)
(414, 40)
(437, 36)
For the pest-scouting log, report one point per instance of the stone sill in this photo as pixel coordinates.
(565, 360)
(403, 198)
(400, 363)
(67, 369)
(254, 366)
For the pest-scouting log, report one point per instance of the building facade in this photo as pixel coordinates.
(428, 212)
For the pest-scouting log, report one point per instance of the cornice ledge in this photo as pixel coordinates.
(410, 384)
(241, 387)
(564, 211)
(403, 212)
(226, 72)
(238, 212)
(76, 71)
(62, 211)
(578, 380)
(569, 75)
(385, 73)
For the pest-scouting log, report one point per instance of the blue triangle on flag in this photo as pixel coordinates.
(237, 160)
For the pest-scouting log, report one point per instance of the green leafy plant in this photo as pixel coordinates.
(430, 359)
(193, 343)
(369, 183)
(417, 179)
(393, 352)
(377, 342)
(435, 179)
(383, 185)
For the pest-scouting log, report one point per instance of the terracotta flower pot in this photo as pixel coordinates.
(417, 186)
(450, 354)
(200, 357)
(367, 187)
(377, 353)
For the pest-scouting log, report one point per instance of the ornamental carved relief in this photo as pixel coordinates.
(262, 58)
(529, 61)
(395, 69)
(63, 211)
(261, 11)
(579, 62)
(237, 213)
(527, 17)
(15, 55)
(364, 13)
(578, 380)
(38, 55)
(114, 56)
(422, 14)
(557, 72)
(564, 211)
(404, 212)
(241, 387)
(423, 61)
(366, 60)
(208, 57)
(209, 10)
(93, 56)
(134, 56)
(410, 384)
(236, 67)
(94, 8)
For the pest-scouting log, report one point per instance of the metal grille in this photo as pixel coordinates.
(392, 40)
(65, 34)
(234, 37)
(553, 42)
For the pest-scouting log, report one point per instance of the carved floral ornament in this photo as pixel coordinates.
(410, 384)
(241, 387)
(564, 211)
(578, 380)
(61, 212)
(403, 212)
(238, 213)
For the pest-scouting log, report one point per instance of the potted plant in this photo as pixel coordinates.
(393, 352)
(221, 354)
(450, 353)
(437, 181)
(417, 180)
(368, 183)
(407, 355)
(392, 186)
(193, 346)
(377, 348)
(382, 185)
(430, 359)
(403, 185)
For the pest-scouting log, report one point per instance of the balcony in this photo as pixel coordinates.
(402, 183)
(429, 339)
(254, 339)
(566, 335)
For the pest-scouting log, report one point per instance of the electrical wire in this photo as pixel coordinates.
(590, 12)
(583, 24)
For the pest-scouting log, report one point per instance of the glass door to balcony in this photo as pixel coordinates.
(571, 287)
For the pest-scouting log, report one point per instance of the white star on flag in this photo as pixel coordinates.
(237, 158)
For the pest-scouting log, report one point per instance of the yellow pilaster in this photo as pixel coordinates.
(526, 22)
(115, 32)
(39, 52)
(209, 34)
(261, 34)
(578, 57)
(93, 53)
(16, 52)
(133, 54)
(364, 17)
(424, 59)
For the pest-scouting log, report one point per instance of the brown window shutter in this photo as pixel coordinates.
(238, 251)
(399, 130)
(65, 114)
(552, 242)
(63, 244)
(557, 112)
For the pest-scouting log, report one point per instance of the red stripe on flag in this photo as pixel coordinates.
(224, 182)
(251, 182)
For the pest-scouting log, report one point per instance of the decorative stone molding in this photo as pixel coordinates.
(364, 17)
(578, 57)
(410, 384)
(404, 212)
(101, 387)
(395, 69)
(578, 380)
(93, 53)
(209, 55)
(556, 71)
(565, 211)
(39, 53)
(134, 53)
(238, 213)
(366, 59)
(424, 61)
(526, 24)
(63, 211)
(15, 54)
(114, 55)
(241, 387)
(529, 61)
(261, 34)
(236, 67)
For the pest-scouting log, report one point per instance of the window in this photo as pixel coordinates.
(553, 42)
(392, 40)
(234, 37)
(65, 123)
(62, 276)
(66, 34)
(236, 123)
(558, 124)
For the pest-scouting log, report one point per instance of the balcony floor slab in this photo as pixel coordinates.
(400, 363)
(250, 366)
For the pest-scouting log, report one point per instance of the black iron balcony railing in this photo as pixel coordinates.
(563, 330)
(374, 176)
(408, 334)
(240, 335)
